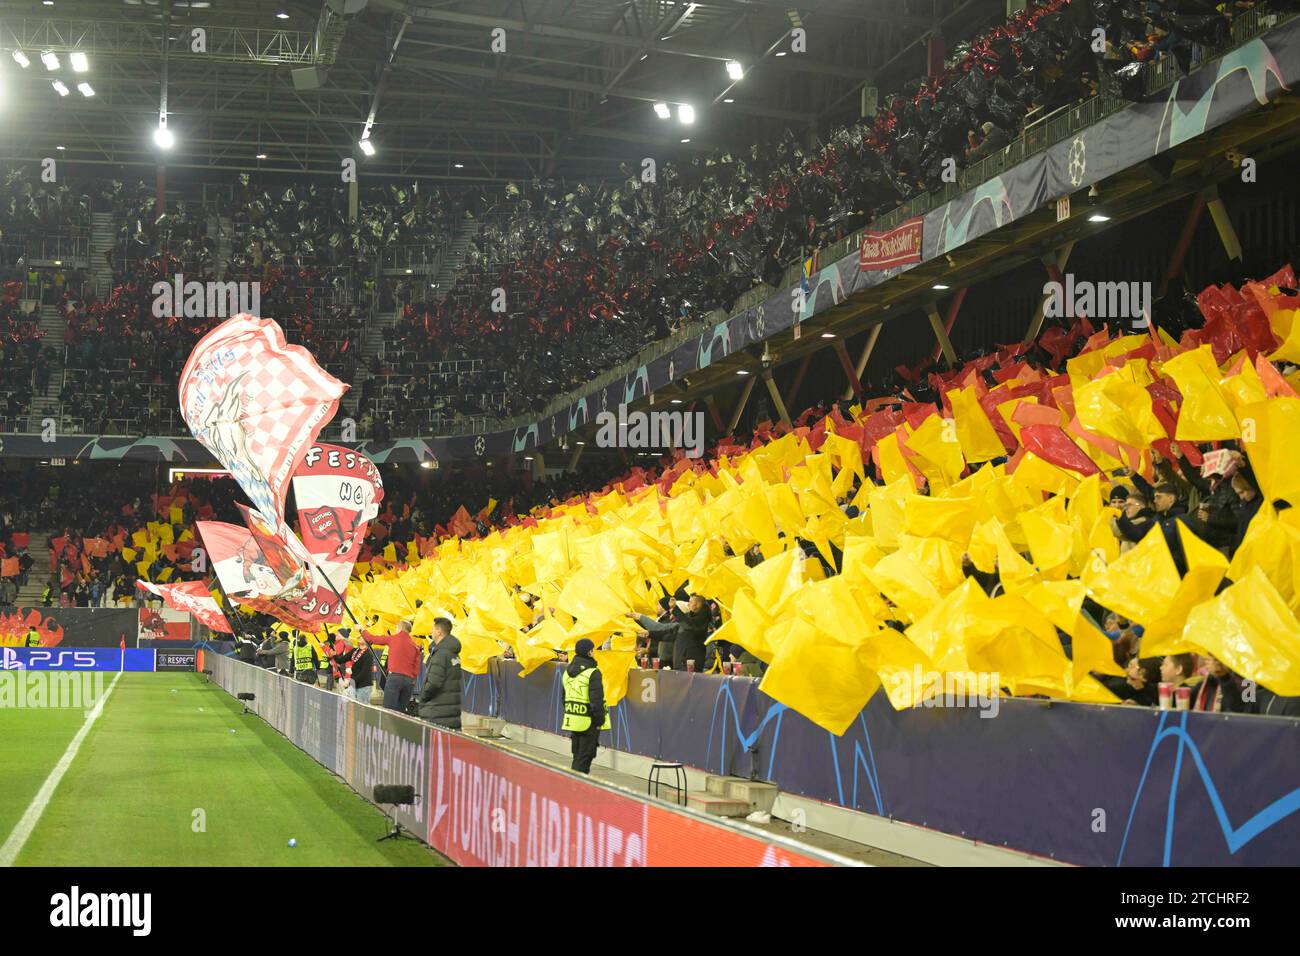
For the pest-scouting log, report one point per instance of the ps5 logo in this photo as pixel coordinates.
(49, 660)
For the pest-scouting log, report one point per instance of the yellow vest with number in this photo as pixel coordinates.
(577, 702)
(302, 658)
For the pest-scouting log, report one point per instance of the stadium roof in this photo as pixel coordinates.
(571, 94)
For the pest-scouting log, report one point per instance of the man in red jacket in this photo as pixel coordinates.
(403, 665)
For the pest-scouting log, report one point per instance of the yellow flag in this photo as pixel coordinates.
(176, 514)
(614, 667)
(1204, 415)
(1140, 584)
(938, 451)
(1116, 407)
(1270, 435)
(824, 679)
(975, 434)
(952, 519)
(1205, 569)
(1251, 630)
(590, 600)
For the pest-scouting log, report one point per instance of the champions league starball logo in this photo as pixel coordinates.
(1078, 161)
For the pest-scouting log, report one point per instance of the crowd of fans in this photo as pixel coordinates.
(589, 274)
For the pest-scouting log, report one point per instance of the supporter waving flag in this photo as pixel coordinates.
(191, 596)
(257, 403)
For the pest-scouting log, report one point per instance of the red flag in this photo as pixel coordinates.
(190, 596)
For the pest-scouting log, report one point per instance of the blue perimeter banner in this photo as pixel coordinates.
(77, 659)
(1097, 785)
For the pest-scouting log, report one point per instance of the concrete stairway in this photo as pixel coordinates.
(221, 230)
(476, 725)
(453, 258)
(103, 234)
(732, 797)
(372, 344)
(45, 404)
(30, 594)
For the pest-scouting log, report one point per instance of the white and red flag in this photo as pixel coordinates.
(337, 492)
(191, 596)
(250, 564)
(257, 403)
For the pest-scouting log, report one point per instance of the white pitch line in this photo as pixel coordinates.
(18, 838)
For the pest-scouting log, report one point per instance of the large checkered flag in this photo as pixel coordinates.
(257, 403)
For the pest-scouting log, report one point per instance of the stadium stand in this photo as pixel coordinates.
(590, 274)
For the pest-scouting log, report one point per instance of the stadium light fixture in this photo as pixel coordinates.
(282, 14)
(939, 287)
(686, 113)
(367, 147)
(676, 401)
(780, 53)
(734, 70)
(86, 90)
(60, 88)
(662, 110)
(687, 140)
(51, 60)
(1099, 217)
(164, 137)
(828, 335)
(79, 62)
(260, 156)
(729, 99)
(60, 148)
(21, 59)
(741, 371)
(459, 165)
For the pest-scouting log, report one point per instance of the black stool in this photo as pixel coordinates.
(679, 778)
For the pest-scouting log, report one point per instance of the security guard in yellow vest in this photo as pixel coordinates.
(33, 637)
(585, 713)
(305, 661)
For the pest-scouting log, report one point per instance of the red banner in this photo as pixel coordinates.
(898, 247)
(490, 808)
(191, 596)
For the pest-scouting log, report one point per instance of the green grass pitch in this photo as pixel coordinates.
(154, 758)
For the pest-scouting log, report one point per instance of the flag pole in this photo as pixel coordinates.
(361, 634)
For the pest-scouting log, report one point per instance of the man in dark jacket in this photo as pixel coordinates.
(693, 626)
(440, 696)
(1248, 503)
(585, 714)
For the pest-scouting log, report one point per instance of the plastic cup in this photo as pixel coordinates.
(1183, 698)
(655, 662)
(690, 667)
(1166, 692)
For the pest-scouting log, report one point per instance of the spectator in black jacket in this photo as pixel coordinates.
(440, 696)
(1136, 518)
(1248, 503)
(693, 626)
